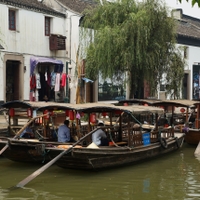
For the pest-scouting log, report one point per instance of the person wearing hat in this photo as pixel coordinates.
(99, 137)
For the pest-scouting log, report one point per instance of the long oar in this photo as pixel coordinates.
(46, 166)
(20, 131)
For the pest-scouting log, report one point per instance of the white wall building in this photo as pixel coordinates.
(26, 27)
(188, 37)
(46, 32)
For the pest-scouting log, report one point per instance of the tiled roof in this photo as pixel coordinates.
(78, 5)
(33, 5)
(189, 27)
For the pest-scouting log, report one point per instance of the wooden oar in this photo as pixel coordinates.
(21, 130)
(46, 166)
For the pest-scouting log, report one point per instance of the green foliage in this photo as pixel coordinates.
(175, 75)
(193, 2)
(129, 36)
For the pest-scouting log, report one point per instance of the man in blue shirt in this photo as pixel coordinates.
(27, 133)
(64, 132)
(99, 137)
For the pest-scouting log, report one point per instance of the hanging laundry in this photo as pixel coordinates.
(38, 84)
(49, 79)
(46, 78)
(57, 84)
(63, 80)
(53, 79)
(32, 82)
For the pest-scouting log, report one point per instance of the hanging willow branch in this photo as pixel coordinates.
(129, 36)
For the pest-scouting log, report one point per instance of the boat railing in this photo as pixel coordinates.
(167, 132)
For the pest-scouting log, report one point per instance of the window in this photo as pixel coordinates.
(12, 20)
(162, 87)
(47, 26)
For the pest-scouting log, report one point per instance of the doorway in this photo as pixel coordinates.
(12, 80)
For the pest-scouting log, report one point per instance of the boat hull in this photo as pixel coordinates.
(109, 157)
(192, 136)
(25, 151)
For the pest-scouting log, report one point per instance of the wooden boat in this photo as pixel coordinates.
(182, 121)
(192, 134)
(178, 111)
(19, 114)
(128, 143)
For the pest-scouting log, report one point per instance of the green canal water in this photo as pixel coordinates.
(175, 176)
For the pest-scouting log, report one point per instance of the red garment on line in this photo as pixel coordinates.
(63, 80)
(32, 82)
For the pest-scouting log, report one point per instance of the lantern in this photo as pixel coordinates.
(104, 114)
(40, 120)
(182, 110)
(67, 113)
(93, 118)
(11, 112)
(29, 112)
(71, 115)
(125, 104)
(118, 112)
(46, 112)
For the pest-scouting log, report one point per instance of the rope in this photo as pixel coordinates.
(135, 119)
(39, 135)
(114, 141)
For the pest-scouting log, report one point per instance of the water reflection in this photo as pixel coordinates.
(26, 194)
(174, 176)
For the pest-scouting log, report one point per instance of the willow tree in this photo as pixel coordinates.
(126, 36)
(193, 2)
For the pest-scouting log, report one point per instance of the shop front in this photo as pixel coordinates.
(47, 79)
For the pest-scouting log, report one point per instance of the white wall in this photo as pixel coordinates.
(28, 40)
(194, 57)
(72, 32)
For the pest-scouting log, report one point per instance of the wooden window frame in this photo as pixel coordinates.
(47, 26)
(12, 20)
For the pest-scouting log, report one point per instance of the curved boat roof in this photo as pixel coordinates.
(101, 107)
(85, 107)
(139, 101)
(177, 103)
(16, 104)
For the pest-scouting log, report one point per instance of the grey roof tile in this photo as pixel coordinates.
(78, 5)
(33, 5)
(189, 27)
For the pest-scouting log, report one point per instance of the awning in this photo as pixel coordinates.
(35, 60)
(87, 80)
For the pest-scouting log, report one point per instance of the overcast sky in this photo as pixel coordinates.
(185, 6)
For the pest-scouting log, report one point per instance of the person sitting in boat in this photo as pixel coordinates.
(162, 121)
(192, 119)
(64, 132)
(27, 133)
(99, 137)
